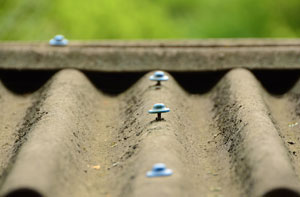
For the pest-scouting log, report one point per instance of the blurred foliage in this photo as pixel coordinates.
(136, 19)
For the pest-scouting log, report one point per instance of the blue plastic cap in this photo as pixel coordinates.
(159, 108)
(159, 167)
(158, 170)
(59, 37)
(159, 76)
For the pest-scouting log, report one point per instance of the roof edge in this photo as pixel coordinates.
(143, 56)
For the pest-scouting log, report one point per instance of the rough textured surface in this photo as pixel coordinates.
(138, 56)
(69, 138)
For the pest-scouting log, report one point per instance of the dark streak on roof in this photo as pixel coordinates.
(230, 132)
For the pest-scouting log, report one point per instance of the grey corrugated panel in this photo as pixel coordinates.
(251, 137)
(147, 56)
(233, 140)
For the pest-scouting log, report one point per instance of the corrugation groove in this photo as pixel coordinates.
(225, 135)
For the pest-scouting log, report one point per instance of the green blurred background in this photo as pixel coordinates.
(148, 19)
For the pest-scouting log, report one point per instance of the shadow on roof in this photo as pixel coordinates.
(22, 82)
(24, 193)
(276, 82)
(281, 192)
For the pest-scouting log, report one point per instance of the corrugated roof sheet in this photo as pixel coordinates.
(65, 134)
(141, 56)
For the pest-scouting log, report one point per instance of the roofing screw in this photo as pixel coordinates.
(158, 108)
(58, 40)
(159, 169)
(159, 76)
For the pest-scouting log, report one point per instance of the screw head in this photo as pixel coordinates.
(59, 37)
(159, 167)
(58, 40)
(159, 76)
(158, 170)
(158, 108)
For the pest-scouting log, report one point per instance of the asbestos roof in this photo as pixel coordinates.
(232, 130)
(141, 56)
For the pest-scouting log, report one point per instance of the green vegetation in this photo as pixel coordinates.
(146, 19)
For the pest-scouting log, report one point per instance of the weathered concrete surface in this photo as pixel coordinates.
(62, 136)
(70, 139)
(251, 138)
(138, 56)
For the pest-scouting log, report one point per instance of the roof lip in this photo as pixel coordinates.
(143, 56)
(229, 42)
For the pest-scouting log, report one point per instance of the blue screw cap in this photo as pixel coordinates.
(158, 170)
(58, 40)
(159, 76)
(158, 108)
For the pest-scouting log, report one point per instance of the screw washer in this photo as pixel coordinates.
(159, 76)
(158, 108)
(58, 40)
